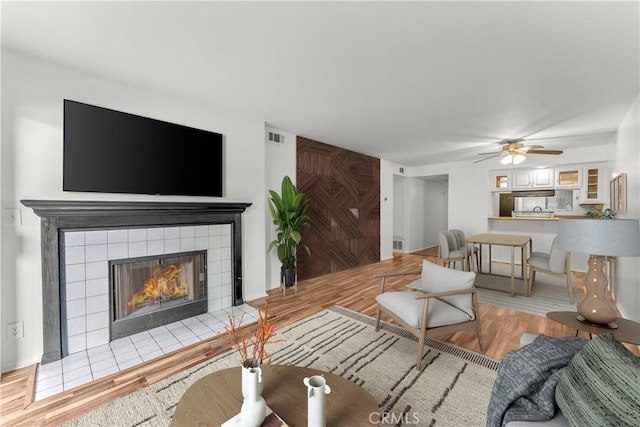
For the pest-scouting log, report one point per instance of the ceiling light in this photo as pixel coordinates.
(513, 159)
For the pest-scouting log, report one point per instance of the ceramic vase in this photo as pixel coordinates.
(317, 389)
(254, 408)
(245, 372)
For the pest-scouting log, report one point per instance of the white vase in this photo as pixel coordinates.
(317, 389)
(254, 408)
(245, 372)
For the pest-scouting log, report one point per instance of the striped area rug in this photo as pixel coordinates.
(452, 389)
(549, 293)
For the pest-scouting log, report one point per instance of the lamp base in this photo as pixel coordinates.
(595, 306)
(611, 325)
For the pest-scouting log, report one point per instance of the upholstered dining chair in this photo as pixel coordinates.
(445, 302)
(461, 242)
(448, 250)
(555, 263)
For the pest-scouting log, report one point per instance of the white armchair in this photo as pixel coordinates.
(555, 263)
(447, 303)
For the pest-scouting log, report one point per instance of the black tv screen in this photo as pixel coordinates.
(110, 151)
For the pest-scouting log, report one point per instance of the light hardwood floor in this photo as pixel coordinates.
(354, 289)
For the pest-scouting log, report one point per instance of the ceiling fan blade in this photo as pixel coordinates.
(532, 147)
(544, 152)
(491, 152)
(487, 158)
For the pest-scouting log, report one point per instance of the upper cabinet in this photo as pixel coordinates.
(568, 177)
(587, 177)
(537, 178)
(592, 189)
(499, 181)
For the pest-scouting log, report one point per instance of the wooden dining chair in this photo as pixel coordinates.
(449, 252)
(555, 263)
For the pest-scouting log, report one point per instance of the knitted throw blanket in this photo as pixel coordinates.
(524, 389)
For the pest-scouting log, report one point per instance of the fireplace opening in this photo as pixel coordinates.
(153, 291)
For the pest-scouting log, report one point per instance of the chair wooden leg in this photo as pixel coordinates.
(479, 331)
(532, 279)
(421, 341)
(378, 319)
(570, 286)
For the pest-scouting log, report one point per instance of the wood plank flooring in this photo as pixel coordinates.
(354, 289)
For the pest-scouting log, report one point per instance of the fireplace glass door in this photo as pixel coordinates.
(153, 291)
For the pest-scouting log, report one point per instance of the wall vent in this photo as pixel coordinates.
(276, 138)
(397, 244)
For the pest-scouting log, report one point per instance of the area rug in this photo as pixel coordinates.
(549, 293)
(452, 389)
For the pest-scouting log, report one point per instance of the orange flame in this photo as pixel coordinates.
(164, 282)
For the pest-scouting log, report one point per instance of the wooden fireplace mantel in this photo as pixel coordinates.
(58, 215)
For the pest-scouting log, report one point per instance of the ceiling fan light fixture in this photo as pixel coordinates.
(513, 159)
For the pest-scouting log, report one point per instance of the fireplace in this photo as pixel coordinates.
(72, 290)
(147, 292)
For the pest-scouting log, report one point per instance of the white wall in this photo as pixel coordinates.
(387, 172)
(280, 160)
(399, 183)
(31, 162)
(625, 152)
(436, 215)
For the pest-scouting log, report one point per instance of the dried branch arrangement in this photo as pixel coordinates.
(252, 348)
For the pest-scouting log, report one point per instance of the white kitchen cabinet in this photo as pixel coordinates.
(521, 180)
(543, 178)
(593, 190)
(568, 177)
(537, 178)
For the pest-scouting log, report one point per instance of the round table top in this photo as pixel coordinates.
(214, 399)
(627, 331)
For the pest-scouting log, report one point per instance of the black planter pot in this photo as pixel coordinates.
(288, 276)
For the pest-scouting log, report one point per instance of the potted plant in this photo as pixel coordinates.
(288, 211)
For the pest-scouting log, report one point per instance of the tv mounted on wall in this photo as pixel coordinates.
(109, 151)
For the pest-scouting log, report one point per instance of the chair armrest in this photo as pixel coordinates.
(383, 276)
(447, 293)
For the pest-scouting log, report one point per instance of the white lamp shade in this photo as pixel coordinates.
(610, 237)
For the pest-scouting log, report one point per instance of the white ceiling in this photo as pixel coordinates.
(411, 82)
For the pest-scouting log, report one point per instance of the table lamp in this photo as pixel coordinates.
(598, 238)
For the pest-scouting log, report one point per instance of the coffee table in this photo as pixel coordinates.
(212, 400)
(627, 331)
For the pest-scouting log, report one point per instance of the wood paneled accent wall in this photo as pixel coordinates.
(343, 188)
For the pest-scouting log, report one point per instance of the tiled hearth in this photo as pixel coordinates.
(97, 362)
(86, 272)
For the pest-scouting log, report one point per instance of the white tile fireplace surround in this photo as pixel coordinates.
(86, 271)
(79, 238)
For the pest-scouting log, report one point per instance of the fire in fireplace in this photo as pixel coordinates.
(152, 291)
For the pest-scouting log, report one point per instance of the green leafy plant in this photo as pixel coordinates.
(289, 213)
(605, 214)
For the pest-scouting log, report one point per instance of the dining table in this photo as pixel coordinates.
(502, 239)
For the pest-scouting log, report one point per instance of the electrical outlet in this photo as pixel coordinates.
(15, 330)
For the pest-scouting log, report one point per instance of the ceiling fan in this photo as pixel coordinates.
(514, 152)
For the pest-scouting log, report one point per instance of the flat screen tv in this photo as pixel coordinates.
(110, 151)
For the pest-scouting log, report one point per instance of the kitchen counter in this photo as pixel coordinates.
(525, 218)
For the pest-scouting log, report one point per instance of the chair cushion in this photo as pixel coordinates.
(601, 385)
(539, 260)
(458, 253)
(438, 279)
(409, 309)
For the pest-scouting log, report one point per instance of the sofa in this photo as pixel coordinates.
(566, 381)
